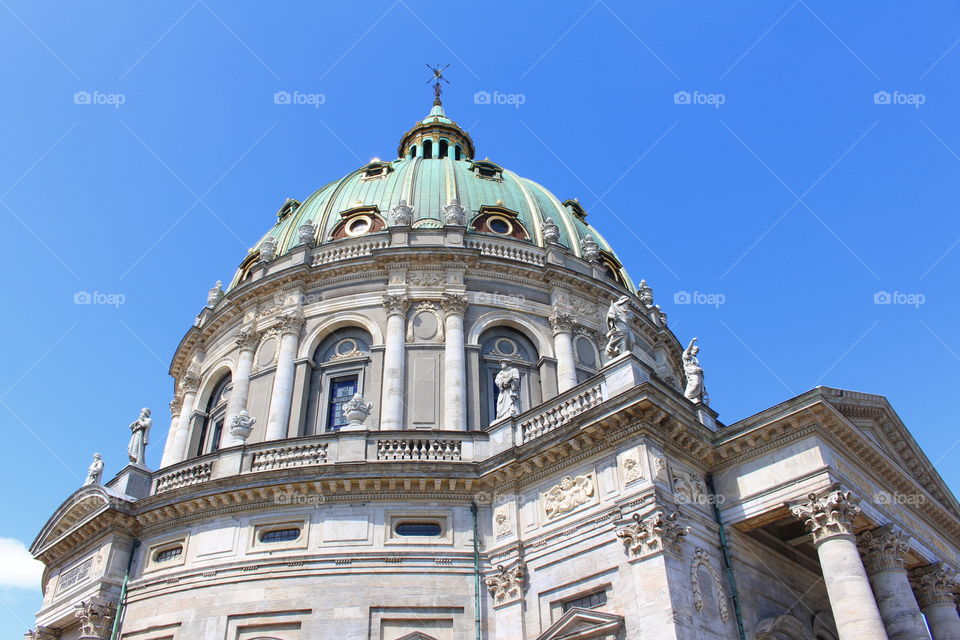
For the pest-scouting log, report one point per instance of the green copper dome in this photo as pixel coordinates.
(435, 169)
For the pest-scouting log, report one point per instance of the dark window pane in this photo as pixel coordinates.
(168, 554)
(418, 529)
(589, 601)
(280, 535)
(341, 390)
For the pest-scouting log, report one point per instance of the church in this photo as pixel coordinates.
(432, 404)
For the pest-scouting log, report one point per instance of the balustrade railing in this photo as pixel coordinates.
(419, 449)
(560, 413)
(184, 477)
(295, 455)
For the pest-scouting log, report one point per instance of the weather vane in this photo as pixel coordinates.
(437, 77)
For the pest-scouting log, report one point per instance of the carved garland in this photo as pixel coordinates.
(701, 559)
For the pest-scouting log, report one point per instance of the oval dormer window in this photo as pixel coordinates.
(358, 226)
(500, 225)
(170, 553)
(280, 535)
(418, 529)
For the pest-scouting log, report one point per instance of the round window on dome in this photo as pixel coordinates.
(359, 226)
(500, 225)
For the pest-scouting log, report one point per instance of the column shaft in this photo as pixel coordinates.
(935, 586)
(182, 439)
(170, 444)
(282, 395)
(238, 395)
(566, 366)
(851, 598)
(391, 405)
(943, 620)
(898, 606)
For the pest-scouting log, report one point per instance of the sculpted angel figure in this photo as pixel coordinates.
(139, 432)
(508, 384)
(94, 471)
(695, 389)
(619, 334)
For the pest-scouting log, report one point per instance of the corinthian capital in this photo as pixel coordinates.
(290, 322)
(654, 533)
(882, 549)
(190, 382)
(175, 405)
(454, 303)
(560, 321)
(934, 584)
(42, 633)
(248, 338)
(828, 514)
(95, 616)
(507, 584)
(396, 304)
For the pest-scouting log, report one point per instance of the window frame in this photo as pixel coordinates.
(261, 526)
(394, 519)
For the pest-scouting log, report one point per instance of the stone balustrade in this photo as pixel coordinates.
(508, 251)
(559, 412)
(346, 251)
(184, 477)
(295, 455)
(419, 448)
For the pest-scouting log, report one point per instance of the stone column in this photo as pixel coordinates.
(288, 326)
(247, 340)
(454, 363)
(936, 588)
(188, 386)
(562, 325)
(168, 447)
(391, 403)
(882, 551)
(829, 517)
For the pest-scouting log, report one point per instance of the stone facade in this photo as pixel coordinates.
(335, 466)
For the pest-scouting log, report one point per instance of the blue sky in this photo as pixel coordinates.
(787, 162)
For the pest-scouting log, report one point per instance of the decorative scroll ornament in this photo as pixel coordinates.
(241, 425)
(454, 215)
(268, 249)
(882, 549)
(248, 338)
(356, 410)
(402, 214)
(95, 617)
(567, 496)
(507, 584)
(308, 233)
(215, 294)
(829, 514)
(590, 249)
(701, 559)
(550, 230)
(395, 304)
(426, 278)
(654, 533)
(934, 584)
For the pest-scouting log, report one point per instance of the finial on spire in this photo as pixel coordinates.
(437, 77)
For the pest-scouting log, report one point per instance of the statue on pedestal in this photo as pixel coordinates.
(695, 390)
(139, 432)
(619, 334)
(508, 384)
(95, 470)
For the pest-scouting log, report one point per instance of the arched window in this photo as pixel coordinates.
(427, 149)
(506, 344)
(444, 146)
(216, 415)
(341, 363)
(586, 356)
(457, 153)
(413, 151)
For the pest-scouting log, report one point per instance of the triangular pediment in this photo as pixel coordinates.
(416, 635)
(583, 624)
(85, 505)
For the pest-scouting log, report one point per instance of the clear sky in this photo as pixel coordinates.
(782, 163)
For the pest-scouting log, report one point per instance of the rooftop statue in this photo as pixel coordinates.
(94, 471)
(139, 432)
(695, 390)
(619, 334)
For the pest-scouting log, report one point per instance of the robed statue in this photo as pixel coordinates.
(508, 387)
(139, 434)
(695, 389)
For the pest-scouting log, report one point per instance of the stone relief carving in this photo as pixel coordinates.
(291, 322)
(175, 405)
(423, 329)
(507, 584)
(426, 278)
(508, 399)
(356, 410)
(241, 425)
(654, 533)
(620, 338)
(695, 390)
(94, 471)
(268, 249)
(42, 633)
(454, 214)
(139, 437)
(828, 514)
(95, 616)
(883, 548)
(571, 493)
(502, 522)
(585, 309)
(402, 214)
(689, 487)
(702, 559)
(215, 294)
(632, 471)
(550, 230)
